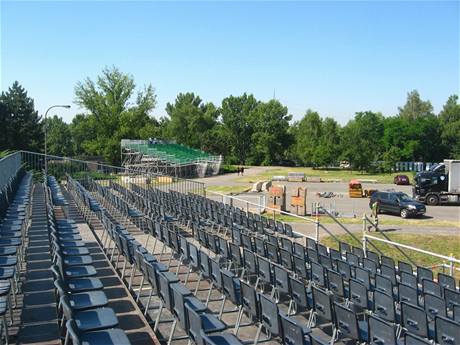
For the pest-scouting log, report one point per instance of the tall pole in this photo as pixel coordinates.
(46, 133)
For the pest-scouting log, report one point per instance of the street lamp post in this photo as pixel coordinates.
(46, 133)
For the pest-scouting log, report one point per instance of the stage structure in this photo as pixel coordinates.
(168, 158)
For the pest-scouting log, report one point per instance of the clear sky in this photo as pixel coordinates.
(333, 57)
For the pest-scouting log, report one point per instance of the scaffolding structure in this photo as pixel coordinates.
(168, 158)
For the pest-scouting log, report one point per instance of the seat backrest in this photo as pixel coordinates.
(409, 279)
(317, 274)
(193, 256)
(344, 248)
(447, 332)
(430, 286)
(264, 270)
(325, 261)
(424, 273)
(260, 246)
(335, 283)
(299, 250)
(335, 254)
(299, 293)
(452, 297)
(370, 265)
(311, 244)
(249, 261)
(344, 268)
(384, 284)
(235, 254)
(389, 272)
(352, 259)
(381, 332)
(247, 242)
(300, 267)
(195, 325)
(269, 314)
(281, 279)
(292, 331)
(204, 264)
(313, 255)
(358, 294)
(446, 280)
(286, 258)
(272, 252)
(384, 306)
(346, 322)
(434, 306)
(231, 286)
(407, 293)
(363, 277)
(414, 319)
(249, 300)
(322, 249)
(322, 304)
(404, 267)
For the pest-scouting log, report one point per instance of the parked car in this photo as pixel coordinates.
(401, 180)
(397, 203)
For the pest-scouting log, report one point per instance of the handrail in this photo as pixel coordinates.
(366, 218)
(444, 257)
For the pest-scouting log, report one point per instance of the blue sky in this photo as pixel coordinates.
(334, 57)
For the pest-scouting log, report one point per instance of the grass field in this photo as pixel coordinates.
(439, 244)
(235, 189)
(344, 175)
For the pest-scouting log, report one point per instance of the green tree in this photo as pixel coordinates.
(307, 133)
(362, 140)
(20, 123)
(238, 124)
(327, 150)
(190, 119)
(449, 118)
(59, 138)
(114, 111)
(415, 107)
(271, 138)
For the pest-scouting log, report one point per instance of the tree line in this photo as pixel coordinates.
(242, 129)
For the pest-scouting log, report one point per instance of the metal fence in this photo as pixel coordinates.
(61, 166)
(9, 166)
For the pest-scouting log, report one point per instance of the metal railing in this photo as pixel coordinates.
(60, 166)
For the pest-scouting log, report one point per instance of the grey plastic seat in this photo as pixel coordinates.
(300, 267)
(434, 306)
(381, 332)
(407, 294)
(384, 306)
(446, 280)
(347, 325)
(202, 324)
(113, 336)
(269, 317)
(293, 332)
(447, 332)
(414, 319)
(89, 320)
(424, 273)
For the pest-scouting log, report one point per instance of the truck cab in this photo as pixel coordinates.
(439, 184)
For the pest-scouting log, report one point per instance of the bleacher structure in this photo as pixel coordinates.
(168, 158)
(195, 270)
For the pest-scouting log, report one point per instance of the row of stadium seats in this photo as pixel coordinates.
(337, 275)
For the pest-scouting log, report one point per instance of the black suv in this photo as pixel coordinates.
(397, 203)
